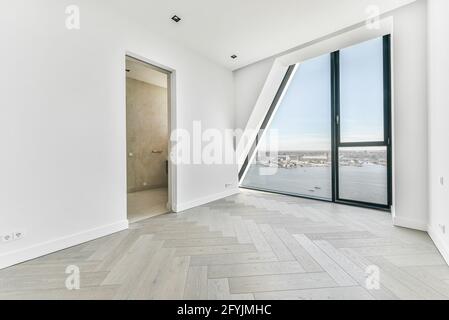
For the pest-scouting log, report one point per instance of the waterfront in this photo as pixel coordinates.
(363, 175)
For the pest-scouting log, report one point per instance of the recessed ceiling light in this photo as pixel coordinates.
(234, 56)
(175, 18)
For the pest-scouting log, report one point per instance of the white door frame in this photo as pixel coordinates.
(172, 123)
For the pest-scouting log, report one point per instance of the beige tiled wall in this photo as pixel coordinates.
(147, 131)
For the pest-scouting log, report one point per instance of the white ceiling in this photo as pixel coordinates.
(142, 72)
(252, 29)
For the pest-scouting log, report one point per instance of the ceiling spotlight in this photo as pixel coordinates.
(233, 56)
(175, 18)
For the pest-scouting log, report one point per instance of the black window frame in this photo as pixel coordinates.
(387, 141)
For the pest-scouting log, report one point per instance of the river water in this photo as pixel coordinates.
(367, 183)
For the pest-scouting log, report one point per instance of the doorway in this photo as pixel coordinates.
(147, 139)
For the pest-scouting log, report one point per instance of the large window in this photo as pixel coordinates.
(329, 137)
(363, 118)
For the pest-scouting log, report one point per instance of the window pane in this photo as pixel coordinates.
(363, 174)
(303, 126)
(361, 92)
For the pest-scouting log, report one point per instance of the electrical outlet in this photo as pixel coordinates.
(17, 235)
(442, 181)
(228, 185)
(7, 237)
(443, 228)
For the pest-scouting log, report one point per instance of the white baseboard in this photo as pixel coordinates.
(410, 224)
(198, 202)
(439, 243)
(11, 258)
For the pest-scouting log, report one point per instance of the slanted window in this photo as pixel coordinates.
(329, 137)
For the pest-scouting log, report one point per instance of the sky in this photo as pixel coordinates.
(303, 119)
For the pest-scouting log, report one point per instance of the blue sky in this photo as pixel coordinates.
(303, 118)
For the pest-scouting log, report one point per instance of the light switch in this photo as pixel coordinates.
(442, 181)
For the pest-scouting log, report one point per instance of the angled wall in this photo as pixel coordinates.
(438, 34)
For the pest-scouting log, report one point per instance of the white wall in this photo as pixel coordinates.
(438, 53)
(62, 122)
(410, 112)
(248, 83)
(410, 116)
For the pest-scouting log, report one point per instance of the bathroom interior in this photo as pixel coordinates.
(147, 135)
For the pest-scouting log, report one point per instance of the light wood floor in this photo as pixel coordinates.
(147, 204)
(248, 246)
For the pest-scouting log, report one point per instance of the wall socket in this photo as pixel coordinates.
(13, 236)
(442, 181)
(228, 185)
(443, 228)
(17, 235)
(7, 237)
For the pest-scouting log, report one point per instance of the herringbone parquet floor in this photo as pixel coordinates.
(248, 246)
